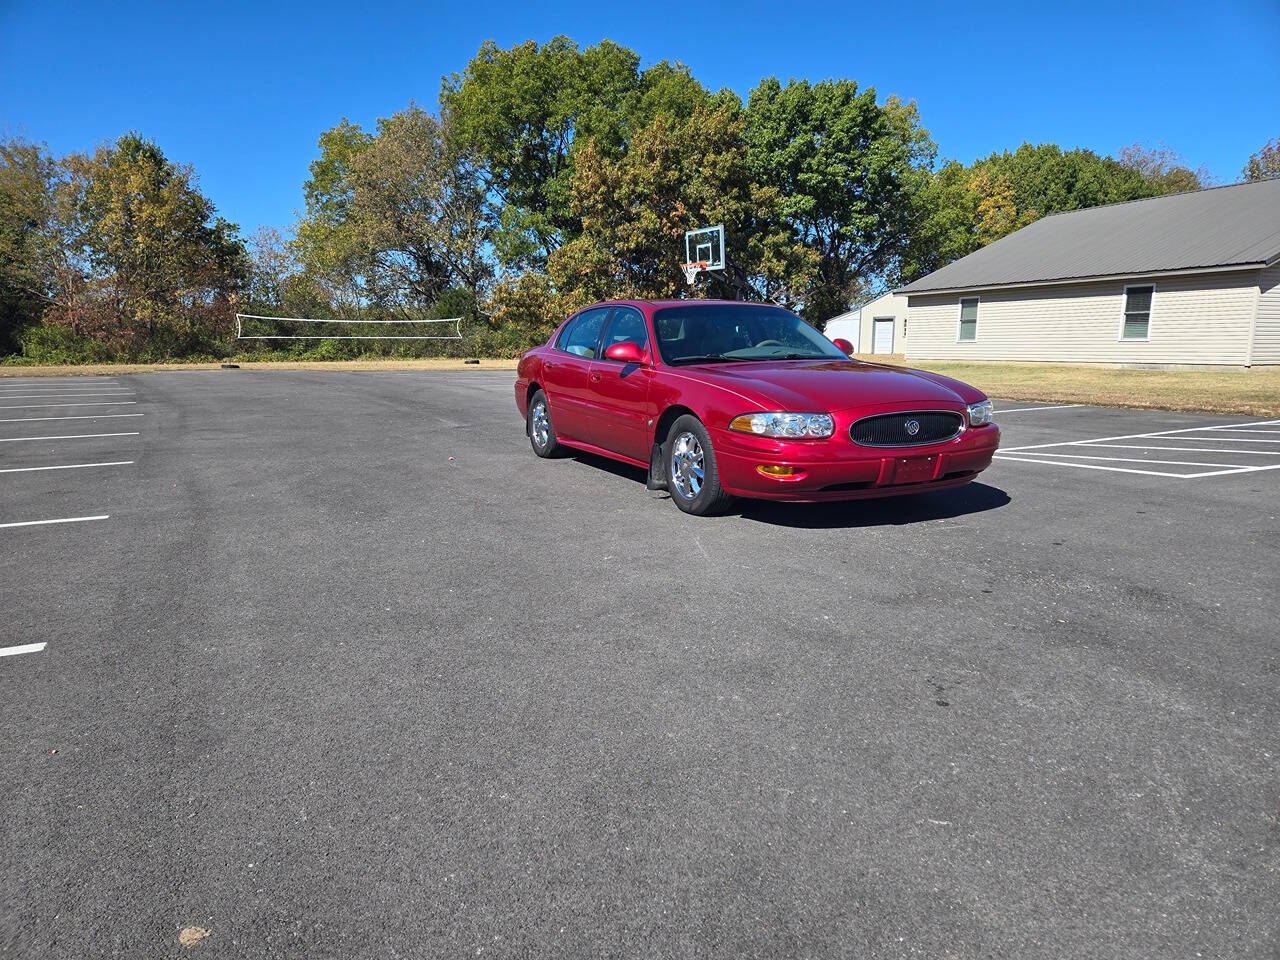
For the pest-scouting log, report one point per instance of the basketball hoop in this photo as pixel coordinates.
(691, 270)
(703, 251)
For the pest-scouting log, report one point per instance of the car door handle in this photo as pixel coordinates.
(548, 366)
(595, 378)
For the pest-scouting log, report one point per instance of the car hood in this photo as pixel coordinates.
(831, 385)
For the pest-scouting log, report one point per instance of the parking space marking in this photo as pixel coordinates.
(68, 466)
(70, 436)
(23, 648)
(1146, 446)
(1095, 466)
(1223, 473)
(1071, 451)
(1139, 436)
(95, 403)
(88, 416)
(77, 393)
(1061, 406)
(1241, 430)
(44, 523)
(1171, 463)
(55, 381)
(1219, 438)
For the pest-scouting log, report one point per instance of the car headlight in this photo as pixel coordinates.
(980, 414)
(784, 425)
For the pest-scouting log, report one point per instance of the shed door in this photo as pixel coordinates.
(882, 335)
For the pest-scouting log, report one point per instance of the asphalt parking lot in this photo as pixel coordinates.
(330, 665)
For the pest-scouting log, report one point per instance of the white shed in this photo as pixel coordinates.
(877, 327)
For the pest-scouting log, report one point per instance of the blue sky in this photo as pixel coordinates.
(243, 90)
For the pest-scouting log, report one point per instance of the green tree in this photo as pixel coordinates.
(334, 256)
(164, 266)
(1164, 167)
(418, 205)
(521, 112)
(29, 238)
(273, 271)
(675, 175)
(847, 169)
(1264, 164)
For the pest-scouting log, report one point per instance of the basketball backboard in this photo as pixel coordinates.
(703, 250)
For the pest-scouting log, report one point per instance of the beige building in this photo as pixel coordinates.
(877, 327)
(1190, 279)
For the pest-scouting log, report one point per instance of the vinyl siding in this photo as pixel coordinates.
(1203, 319)
(1266, 336)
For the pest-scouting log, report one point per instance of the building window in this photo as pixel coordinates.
(1137, 313)
(968, 318)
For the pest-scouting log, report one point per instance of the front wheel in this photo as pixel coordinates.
(692, 476)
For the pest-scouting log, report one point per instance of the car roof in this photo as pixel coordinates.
(691, 302)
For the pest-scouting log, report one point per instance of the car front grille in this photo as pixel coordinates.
(896, 429)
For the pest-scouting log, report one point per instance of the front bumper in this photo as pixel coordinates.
(839, 469)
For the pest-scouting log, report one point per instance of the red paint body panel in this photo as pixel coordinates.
(614, 408)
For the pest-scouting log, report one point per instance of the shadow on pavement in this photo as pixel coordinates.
(886, 511)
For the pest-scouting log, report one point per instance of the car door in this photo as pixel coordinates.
(620, 391)
(566, 375)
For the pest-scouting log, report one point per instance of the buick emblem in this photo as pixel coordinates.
(913, 427)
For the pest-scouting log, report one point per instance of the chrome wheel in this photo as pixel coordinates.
(688, 465)
(540, 423)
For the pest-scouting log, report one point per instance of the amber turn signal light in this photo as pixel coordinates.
(776, 470)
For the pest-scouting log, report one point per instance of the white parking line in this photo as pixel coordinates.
(42, 523)
(1240, 430)
(1172, 463)
(95, 403)
(1216, 438)
(89, 416)
(1061, 406)
(1146, 446)
(24, 648)
(68, 466)
(1139, 436)
(77, 393)
(1222, 473)
(55, 381)
(1206, 434)
(70, 436)
(1095, 466)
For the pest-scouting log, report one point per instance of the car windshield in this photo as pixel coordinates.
(720, 332)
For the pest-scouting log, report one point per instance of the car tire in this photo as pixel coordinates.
(689, 452)
(542, 435)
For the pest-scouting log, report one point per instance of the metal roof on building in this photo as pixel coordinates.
(1216, 229)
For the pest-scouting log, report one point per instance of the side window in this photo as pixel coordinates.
(627, 326)
(968, 319)
(1137, 313)
(583, 333)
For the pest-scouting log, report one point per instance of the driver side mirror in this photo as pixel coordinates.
(844, 346)
(626, 352)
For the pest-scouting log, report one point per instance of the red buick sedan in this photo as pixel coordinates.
(720, 399)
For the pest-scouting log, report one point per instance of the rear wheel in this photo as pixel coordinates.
(542, 435)
(692, 476)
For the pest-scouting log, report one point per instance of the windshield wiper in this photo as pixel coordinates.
(794, 356)
(705, 358)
